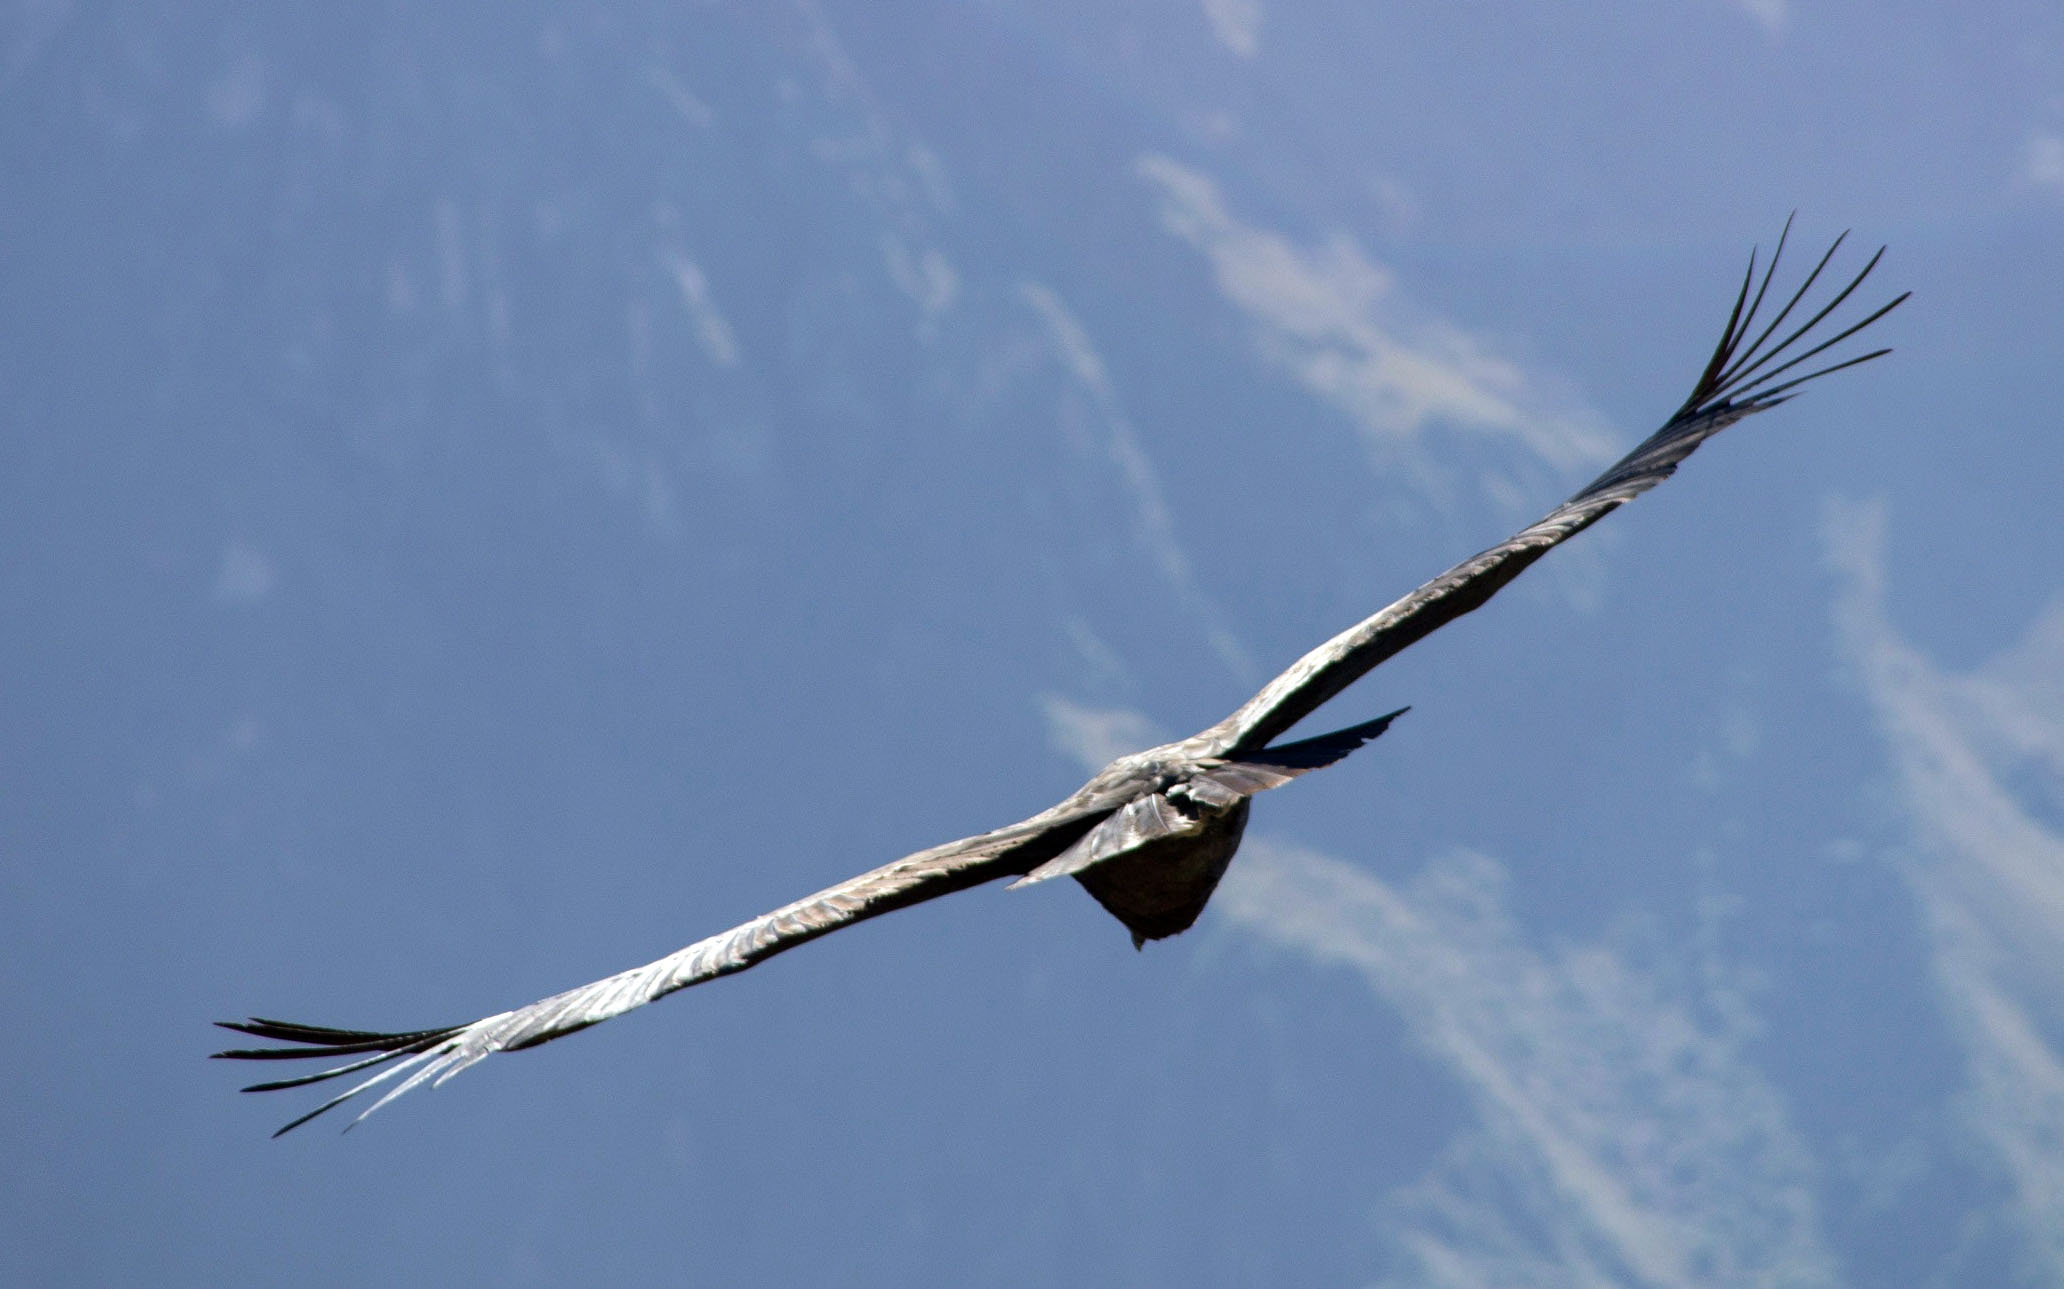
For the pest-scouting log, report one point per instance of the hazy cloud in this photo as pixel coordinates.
(927, 277)
(1336, 321)
(712, 331)
(1071, 344)
(27, 32)
(237, 95)
(1236, 23)
(1977, 758)
(684, 100)
(452, 278)
(1770, 13)
(1623, 1137)
(2043, 163)
(629, 476)
(1096, 736)
(901, 177)
(244, 575)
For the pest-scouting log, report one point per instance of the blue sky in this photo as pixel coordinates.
(492, 495)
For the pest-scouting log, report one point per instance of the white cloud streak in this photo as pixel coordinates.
(1156, 527)
(1094, 737)
(927, 277)
(901, 177)
(1989, 873)
(1335, 320)
(1072, 345)
(683, 100)
(1623, 1138)
(712, 331)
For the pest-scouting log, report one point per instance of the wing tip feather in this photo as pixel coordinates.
(1740, 379)
(409, 1048)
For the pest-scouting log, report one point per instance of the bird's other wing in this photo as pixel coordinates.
(1272, 767)
(1742, 377)
(1217, 784)
(434, 1055)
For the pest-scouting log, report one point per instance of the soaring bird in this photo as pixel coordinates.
(1150, 834)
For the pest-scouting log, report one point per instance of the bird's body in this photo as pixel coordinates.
(1150, 835)
(1160, 888)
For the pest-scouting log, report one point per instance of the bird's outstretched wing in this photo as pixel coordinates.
(434, 1055)
(1742, 377)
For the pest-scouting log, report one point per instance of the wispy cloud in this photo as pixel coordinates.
(1096, 736)
(927, 277)
(1236, 23)
(639, 478)
(1337, 322)
(712, 331)
(1770, 13)
(2042, 164)
(1071, 343)
(237, 96)
(1988, 871)
(683, 100)
(1623, 1137)
(245, 575)
(898, 175)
